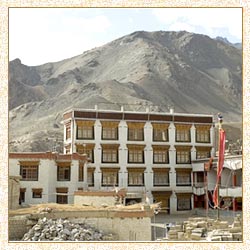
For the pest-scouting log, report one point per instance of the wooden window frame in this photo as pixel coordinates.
(202, 136)
(135, 134)
(29, 172)
(114, 173)
(160, 173)
(183, 154)
(142, 184)
(88, 128)
(200, 154)
(182, 135)
(61, 199)
(109, 153)
(189, 201)
(37, 193)
(183, 184)
(110, 131)
(160, 153)
(134, 153)
(157, 132)
(63, 168)
(88, 151)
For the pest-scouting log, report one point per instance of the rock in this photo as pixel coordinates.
(195, 236)
(216, 238)
(64, 230)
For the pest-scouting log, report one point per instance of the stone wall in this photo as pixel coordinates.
(127, 229)
(132, 225)
(18, 226)
(97, 201)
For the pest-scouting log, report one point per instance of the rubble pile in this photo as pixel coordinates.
(64, 230)
(200, 229)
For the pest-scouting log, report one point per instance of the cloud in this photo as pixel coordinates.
(41, 35)
(91, 25)
(211, 20)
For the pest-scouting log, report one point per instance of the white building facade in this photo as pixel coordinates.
(148, 154)
(47, 177)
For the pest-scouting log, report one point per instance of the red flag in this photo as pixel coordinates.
(221, 152)
(222, 141)
(215, 196)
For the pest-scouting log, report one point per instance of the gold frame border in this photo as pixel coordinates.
(4, 6)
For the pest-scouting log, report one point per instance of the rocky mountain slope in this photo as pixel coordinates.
(192, 72)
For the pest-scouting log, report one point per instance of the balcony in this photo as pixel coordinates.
(199, 190)
(231, 192)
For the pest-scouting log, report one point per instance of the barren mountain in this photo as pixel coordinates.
(192, 72)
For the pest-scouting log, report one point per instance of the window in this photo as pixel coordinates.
(183, 178)
(160, 135)
(62, 195)
(183, 155)
(183, 203)
(62, 199)
(87, 149)
(22, 195)
(110, 155)
(109, 133)
(160, 156)
(135, 155)
(135, 177)
(29, 172)
(161, 177)
(202, 133)
(110, 130)
(202, 154)
(135, 131)
(37, 192)
(68, 131)
(109, 177)
(160, 131)
(199, 179)
(63, 173)
(164, 198)
(90, 175)
(85, 130)
(135, 134)
(182, 133)
(80, 173)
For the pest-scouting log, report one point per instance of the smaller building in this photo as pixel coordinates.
(230, 187)
(47, 177)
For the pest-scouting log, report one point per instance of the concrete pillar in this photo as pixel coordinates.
(73, 136)
(192, 131)
(85, 175)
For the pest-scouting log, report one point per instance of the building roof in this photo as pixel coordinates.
(133, 115)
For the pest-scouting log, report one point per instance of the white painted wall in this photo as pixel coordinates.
(48, 170)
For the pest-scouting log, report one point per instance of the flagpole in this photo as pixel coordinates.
(220, 120)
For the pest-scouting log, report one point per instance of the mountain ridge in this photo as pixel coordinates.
(192, 72)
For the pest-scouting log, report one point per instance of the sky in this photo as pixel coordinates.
(42, 35)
